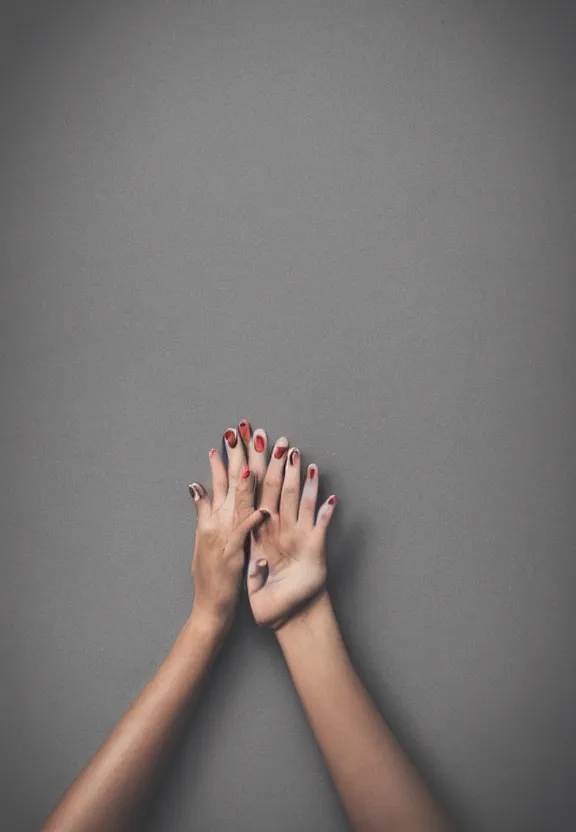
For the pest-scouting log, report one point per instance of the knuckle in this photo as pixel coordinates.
(243, 495)
(273, 479)
(290, 488)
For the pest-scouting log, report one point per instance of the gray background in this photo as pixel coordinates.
(350, 222)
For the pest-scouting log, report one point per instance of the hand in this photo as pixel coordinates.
(225, 516)
(287, 566)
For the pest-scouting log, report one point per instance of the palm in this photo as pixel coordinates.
(296, 569)
(287, 565)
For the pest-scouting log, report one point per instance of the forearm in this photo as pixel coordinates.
(378, 786)
(108, 789)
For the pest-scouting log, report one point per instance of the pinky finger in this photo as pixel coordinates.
(326, 511)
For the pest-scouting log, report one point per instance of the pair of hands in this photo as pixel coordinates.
(283, 540)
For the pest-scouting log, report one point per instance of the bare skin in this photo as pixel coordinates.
(378, 786)
(286, 583)
(110, 790)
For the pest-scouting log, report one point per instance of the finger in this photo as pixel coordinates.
(257, 460)
(245, 431)
(307, 509)
(201, 500)
(256, 518)
(219, 479)
(257, 575)
(326, 512)
(274, 477)
(291, 489)
(236, 457)
(245, 493)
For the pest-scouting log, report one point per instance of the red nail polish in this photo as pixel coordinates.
(279, 452)
(332, 500)
(294, 456)
(311, 473)
(211, 452)
(245, 473)
(230, 437)
(259, 443)
(244, 428)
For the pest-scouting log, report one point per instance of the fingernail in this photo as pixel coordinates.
(211, 452)
(244, 428)
(245, 473)
(194, 491)
(231, 438)
(280, 451)
(260, 564)
(294, 456)
(311, 473)
(259, 443)
(332, 500)
(265, 512)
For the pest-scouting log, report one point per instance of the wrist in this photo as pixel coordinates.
(312, 639)
(208, 626)
(310, 615)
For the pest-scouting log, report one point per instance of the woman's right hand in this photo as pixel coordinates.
(287, 566)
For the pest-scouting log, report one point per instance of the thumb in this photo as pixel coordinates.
(248, 524)
(256, 577)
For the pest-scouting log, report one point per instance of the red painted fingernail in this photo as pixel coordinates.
(230, 437)
(294, 456)
(311, 473)
(245, 473)
(211, 452)
(279, 452)
(259, 443)
(244, 428)
(332, 500)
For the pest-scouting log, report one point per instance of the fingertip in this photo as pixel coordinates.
(259, 440)
(260, 516)
(256, 577)
(326, 511)
(231, 437)
(245, 430)
(196, 491)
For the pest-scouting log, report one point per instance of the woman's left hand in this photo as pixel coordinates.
(225, 517)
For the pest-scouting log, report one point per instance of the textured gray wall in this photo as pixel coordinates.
(352, 222)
